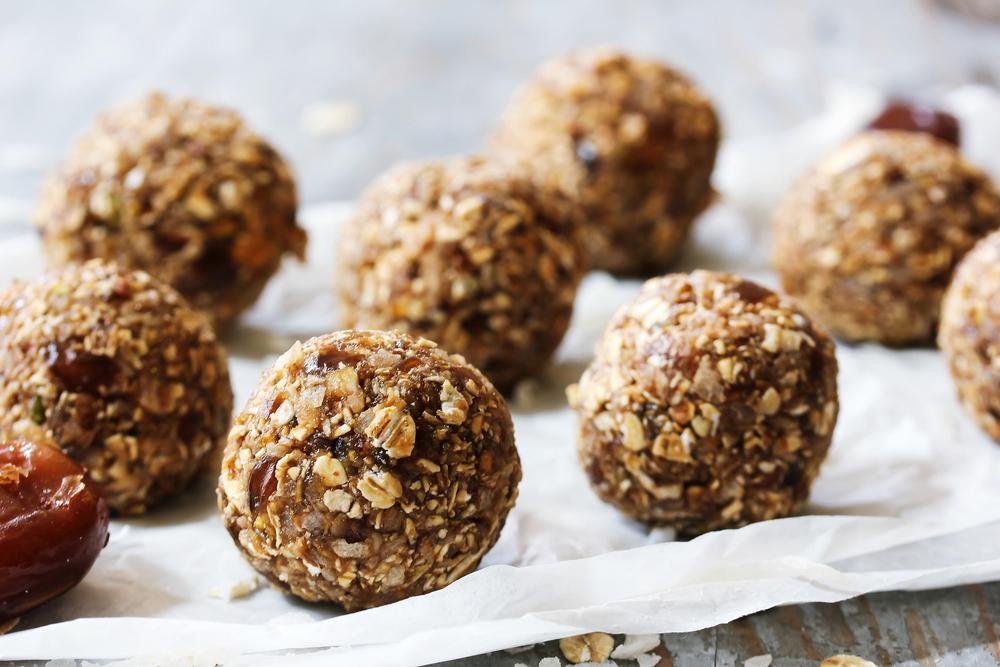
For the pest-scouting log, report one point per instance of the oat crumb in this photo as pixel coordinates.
(236, 590)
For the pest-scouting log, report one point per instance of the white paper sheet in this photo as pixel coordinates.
(908, 498)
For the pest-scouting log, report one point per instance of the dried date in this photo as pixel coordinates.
(53, 525)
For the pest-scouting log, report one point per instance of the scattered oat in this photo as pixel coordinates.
(758, 661)
(520, 649)
(634, 645)
(846, 661)
(237, 590)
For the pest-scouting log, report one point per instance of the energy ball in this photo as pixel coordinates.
(114, 368)
(632, 141)
(710, 404)
(970, 333)
(465, 253)
(181, 189)
(368, 467)
(867, 240)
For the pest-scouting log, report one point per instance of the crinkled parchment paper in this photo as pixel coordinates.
(909, 497)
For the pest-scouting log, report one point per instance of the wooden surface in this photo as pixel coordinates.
(429, 78)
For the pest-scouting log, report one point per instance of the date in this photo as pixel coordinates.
(53, 525)
(911, 117)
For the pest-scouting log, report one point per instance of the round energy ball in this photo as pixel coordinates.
(710, 404)
(465, 253)
(970, 333)
(180, 189)
(368, 467)
(867, 240)
(632, 141)
(116, 369)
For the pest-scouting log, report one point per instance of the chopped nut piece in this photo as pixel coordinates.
(632, 433)
(330, 470)
(337, 501)
(454, 407)
(770, 401)
(591, 647)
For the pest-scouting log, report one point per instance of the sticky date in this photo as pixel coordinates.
(910, 117)
(53, 524)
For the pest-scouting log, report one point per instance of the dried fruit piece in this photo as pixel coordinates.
(911, 117)
(53, 525)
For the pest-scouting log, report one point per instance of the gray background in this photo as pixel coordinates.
(430, 78)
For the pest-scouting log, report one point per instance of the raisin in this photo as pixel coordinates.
(80, 371)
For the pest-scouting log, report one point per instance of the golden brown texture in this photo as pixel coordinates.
(710, 403)
(180, 189)
(464, 253)
(970, 333)
(868, 239)
(368, 467)
(114, 368)
(632, 141)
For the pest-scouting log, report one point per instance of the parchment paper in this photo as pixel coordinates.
(909, 497)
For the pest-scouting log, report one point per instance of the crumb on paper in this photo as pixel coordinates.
(549, 662)
(635, 645)
(237, 589)
(330, 118)
(290, 618)
(647, 659)
(758, 661)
